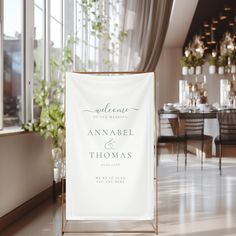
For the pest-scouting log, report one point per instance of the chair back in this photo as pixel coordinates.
(168, 124)
(192, 123)
(227, 124)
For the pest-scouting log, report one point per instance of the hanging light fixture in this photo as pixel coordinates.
(210, 30)
(201, 33)
(213, 26)
(207, 31)
(214, 20)
(222, 15)
(209, 42)
(213, 40)
(206, 24)
(202, 36)
(231, 23)
(227, 7)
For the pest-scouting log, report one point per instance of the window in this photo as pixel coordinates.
(38, 39)
(36, 35)
(39, 44)
(12, 63)
(99, 35)
(24, 54)
(56, 36)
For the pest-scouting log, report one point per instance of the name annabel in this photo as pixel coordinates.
(108, 132)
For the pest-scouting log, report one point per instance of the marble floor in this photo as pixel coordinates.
(191, 202)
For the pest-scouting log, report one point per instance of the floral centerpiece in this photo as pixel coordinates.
(227, 55)
(186, 62)
(194, 56)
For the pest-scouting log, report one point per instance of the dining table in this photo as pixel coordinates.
(211, 126)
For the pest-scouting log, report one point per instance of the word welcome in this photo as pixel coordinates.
(108, 109)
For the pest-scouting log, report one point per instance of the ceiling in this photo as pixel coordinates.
(179, 24)
(188, 16)
(206, 10)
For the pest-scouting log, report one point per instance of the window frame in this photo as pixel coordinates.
(27, 58)
(23, 64)
(27, 55)
(1, 65)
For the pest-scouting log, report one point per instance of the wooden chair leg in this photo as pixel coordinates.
(157, 154)
(54, 191)
(177, 157)
(221, 152)
(185, 152)
(202, 155)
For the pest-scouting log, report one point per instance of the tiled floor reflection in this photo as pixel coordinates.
(191, 202)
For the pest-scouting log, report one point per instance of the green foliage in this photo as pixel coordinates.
(194, 53)
(185, 62)
(198, 61)
(233, 58)
(97, 26)
(123, 35)
(212, 60)
(222, 60)
(51, 120)
(48, 97)
(191, 61)
(103, 28)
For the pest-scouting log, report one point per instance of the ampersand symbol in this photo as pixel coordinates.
(110, 145)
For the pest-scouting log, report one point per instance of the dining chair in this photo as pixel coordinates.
(227, 131)
(192, 129)
(168, 132)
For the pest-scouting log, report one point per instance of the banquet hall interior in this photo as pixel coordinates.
(190, 45)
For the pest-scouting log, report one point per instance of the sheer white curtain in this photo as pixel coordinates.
(98, 34)
(120, 35)
(146, 23)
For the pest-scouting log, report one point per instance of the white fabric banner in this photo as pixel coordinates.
(110, 147)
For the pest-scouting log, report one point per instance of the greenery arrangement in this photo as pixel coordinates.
(51, 120)
(232, 58)
(198, 61)
(212, 60)
(185, 62)
(193, 54)
(222, 60)
(48, 97)
(191, 61)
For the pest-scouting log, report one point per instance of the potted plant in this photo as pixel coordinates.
(185, 64)
(221, 63)
(191, 68)
(233, 63)
(48, 97)
(212, 60)
(197, 51)
(198, 62)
